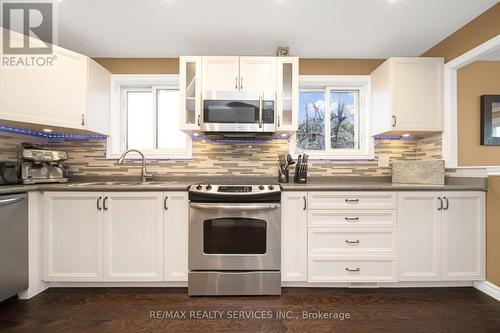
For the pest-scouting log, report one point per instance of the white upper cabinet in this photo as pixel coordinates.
(221, 73)
(73, 93)
(407, 96)
(258, 74)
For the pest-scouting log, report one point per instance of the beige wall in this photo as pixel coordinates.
(474, 80)
(307, 66)
(493, 231)
(474, 33)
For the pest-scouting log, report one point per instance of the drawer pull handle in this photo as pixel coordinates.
(352, 201)
(352, 270)
(352, 242)
(352, 219)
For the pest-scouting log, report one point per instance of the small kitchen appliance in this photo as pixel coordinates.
(43, 166)
(234, 240)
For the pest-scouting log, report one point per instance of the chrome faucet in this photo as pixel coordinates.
(144, 174)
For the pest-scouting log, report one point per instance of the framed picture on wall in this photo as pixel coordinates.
(490, 120)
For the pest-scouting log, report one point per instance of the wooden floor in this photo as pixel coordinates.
(370, 310)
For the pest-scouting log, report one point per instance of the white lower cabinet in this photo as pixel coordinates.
(73, 237)
(133, 236)
(175, 224)
(294, 236)
(441, 236)
(419, 230)
(115, 236)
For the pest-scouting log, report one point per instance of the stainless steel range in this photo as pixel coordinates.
(234, 240)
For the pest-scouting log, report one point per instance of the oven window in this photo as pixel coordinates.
(234, 235)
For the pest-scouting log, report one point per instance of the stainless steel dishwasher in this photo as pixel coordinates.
(13, 244)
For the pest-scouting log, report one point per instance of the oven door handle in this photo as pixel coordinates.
(235, 206)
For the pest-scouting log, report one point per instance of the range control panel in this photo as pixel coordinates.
(234, 189)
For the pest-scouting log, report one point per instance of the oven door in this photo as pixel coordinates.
(234, 236)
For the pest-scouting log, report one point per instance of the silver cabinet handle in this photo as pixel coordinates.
(305, 202)
(199, 119)
(394, 121)
(236, 83)
(261, 102)
(104, 203)
(83, 119)
(352, 270)
(165, 202)
(352, 219)
(11, 200)
(209, 206)
(352, 242)
(441, 203)
(447, 203)
(352, 201)
(279, 123)
(99, 203)
(241, 83)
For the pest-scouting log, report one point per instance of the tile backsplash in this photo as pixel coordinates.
(88, 157)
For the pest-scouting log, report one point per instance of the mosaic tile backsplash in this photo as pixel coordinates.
(88, 157)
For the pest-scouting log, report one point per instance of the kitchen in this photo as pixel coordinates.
(301, 188)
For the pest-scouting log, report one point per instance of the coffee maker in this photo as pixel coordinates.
(43, 166)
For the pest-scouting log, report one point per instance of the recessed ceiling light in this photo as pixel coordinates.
(196, 134)
(47, 130)
(406, 135)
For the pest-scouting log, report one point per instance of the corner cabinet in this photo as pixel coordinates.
(442, 236)
(72, 95)
(407, 96)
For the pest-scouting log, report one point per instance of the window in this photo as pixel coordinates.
(145, 116)
(333, 118)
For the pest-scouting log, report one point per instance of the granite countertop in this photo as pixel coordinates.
(314, 184)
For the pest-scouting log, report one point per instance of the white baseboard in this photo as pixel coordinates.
(488, 288)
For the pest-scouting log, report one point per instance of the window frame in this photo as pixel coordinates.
(117, 140)
(328, 83)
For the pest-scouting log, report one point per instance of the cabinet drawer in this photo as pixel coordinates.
(352, 200)
(352, 219)
(332, 241)
(338, 269)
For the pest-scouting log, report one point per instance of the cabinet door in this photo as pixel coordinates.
(98, 99)
(190, 92)
(258, 74)
(221, 73)
(287, 93)
(463, 234)
(73, 233)
(175, 223)
(294, 236)
(417, 98)
(133, 236)
(419, 223)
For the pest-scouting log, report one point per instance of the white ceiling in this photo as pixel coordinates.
(312, 28)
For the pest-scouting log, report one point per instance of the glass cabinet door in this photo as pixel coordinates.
(190, 92)
(287, 93)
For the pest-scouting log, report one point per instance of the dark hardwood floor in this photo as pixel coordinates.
(370, 310)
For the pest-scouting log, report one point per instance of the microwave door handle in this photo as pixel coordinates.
(261, 102)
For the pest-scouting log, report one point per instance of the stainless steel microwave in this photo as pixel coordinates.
(238, 114)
